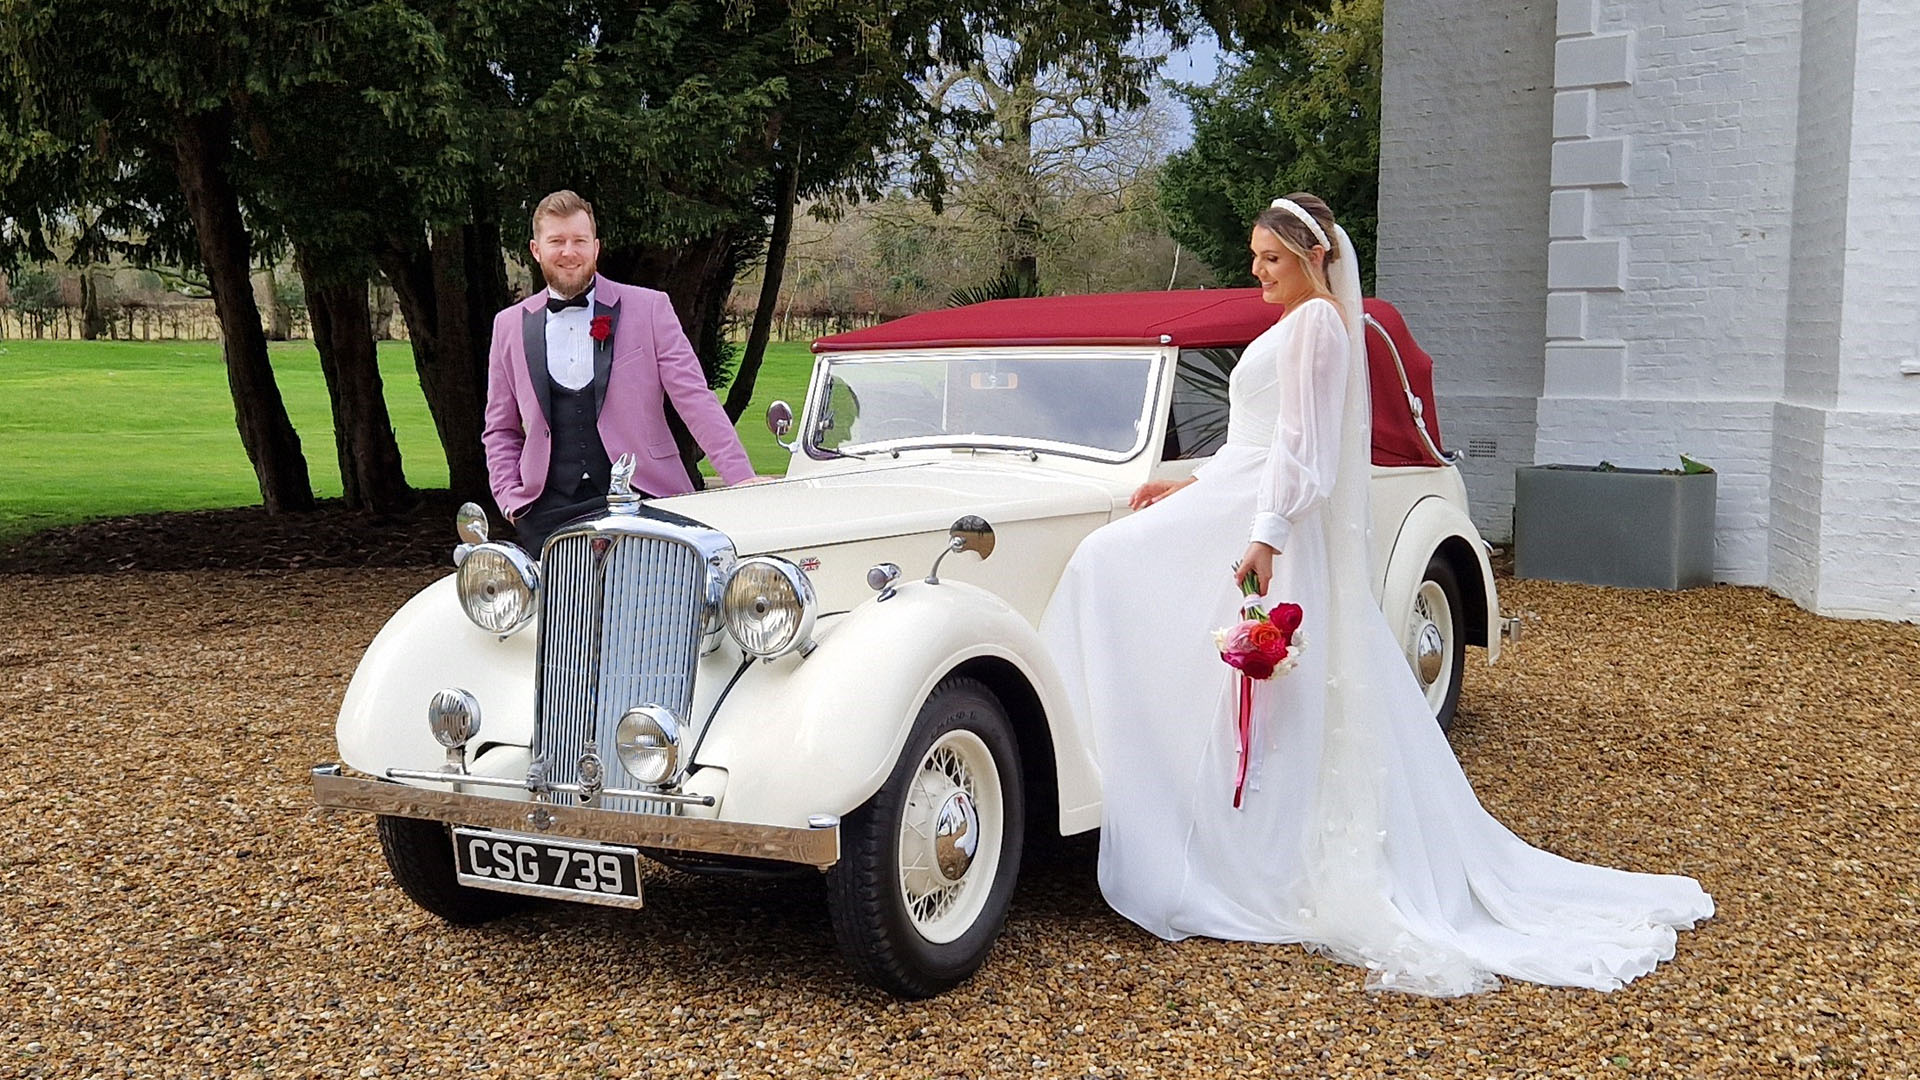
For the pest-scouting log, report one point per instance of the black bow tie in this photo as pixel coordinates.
(556, 305)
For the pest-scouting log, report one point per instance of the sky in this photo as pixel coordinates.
(1199, 62)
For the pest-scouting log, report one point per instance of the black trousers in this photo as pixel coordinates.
(552, 510)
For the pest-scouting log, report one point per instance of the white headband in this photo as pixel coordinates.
(1300, 212)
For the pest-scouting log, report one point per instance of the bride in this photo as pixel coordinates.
(1358, 835)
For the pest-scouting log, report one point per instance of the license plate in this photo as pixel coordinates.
(566, 869)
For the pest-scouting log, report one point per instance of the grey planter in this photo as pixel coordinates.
(1636, 528)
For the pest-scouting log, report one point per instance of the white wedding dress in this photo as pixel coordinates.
(1359, 835)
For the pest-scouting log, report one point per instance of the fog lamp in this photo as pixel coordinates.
(454, 716)
(647, 740)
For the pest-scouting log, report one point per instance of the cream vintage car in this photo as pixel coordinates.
(829, 671)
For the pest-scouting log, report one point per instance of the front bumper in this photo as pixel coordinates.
(816, 847)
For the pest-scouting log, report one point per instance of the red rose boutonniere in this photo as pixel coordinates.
(602, 327)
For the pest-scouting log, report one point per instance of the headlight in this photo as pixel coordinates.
(769, 606)
(499, 587)
(647, 739)
(454, 716)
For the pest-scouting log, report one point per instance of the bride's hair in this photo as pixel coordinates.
(1297, 238)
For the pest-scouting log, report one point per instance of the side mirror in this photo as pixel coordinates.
(970, 533)
(780, 421)
(470, 522)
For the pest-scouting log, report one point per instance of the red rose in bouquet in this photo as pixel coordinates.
(1260, 646)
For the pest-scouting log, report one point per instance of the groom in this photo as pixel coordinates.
(578, 375)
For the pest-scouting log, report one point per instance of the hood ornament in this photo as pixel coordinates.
(621, 497)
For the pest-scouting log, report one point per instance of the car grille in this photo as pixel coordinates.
(620, 626)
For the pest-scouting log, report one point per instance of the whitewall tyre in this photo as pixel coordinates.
(927, 867)
(1435, 640)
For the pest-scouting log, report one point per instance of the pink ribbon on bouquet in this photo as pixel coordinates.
(1245, 738)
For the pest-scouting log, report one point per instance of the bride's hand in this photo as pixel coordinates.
(1256, 563)
(1154, 490)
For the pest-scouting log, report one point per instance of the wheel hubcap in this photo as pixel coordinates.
(956, 836)
(1429, 644)
(950, 836)
(1427, 657)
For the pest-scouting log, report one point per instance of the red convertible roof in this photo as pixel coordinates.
(1195, 318)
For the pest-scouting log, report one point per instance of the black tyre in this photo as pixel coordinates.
(1435, 638)
(420, 856)
(927, 866)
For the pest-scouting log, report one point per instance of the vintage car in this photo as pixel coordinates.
(827, 671)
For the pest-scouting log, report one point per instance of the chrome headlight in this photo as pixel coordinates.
(499, 587)
(769, 606)
(647, 739)
(454, 717)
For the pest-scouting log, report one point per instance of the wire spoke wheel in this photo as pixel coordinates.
(950, 836)
(928, 865)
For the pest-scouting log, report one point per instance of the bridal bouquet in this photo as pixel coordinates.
(1261, 645)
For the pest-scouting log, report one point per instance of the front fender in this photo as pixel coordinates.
(427, 646)
(1431, 523)
(821, 734)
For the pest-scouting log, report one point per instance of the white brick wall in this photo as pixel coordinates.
(1725, 221)
(1870, 516)
(1734, 436)
(1463, 226)
(1881, 329)
(1799, 462)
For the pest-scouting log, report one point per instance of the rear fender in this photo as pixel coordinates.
(1436, 526)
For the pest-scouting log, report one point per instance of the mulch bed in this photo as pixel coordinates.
(176, 908)
(244, 538)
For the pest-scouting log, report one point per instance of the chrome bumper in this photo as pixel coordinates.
(817, 847)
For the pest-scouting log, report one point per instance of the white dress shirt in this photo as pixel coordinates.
(570, 343)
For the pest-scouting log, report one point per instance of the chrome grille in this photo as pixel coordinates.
(620, 626)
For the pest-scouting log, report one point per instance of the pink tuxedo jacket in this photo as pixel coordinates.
(646, 360)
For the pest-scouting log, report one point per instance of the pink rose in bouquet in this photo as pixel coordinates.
(1262, 643)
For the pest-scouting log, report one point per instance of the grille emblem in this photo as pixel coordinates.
(591, 777)
(601, 545)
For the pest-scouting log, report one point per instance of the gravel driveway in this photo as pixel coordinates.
(169, 906)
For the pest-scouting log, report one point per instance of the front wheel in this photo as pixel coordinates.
(420, 855)
(1436, 640)
(927, 866)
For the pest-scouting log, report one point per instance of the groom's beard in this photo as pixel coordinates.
(569, 283)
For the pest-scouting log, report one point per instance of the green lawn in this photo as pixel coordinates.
(95, 429)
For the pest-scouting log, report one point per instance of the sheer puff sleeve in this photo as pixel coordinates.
(1300, 466)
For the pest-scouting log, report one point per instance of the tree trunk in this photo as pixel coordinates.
(266, 294)
(448, 293)
(382, 311)
(370, 470)
(200, 145)
(92, 323)
(740, 394)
